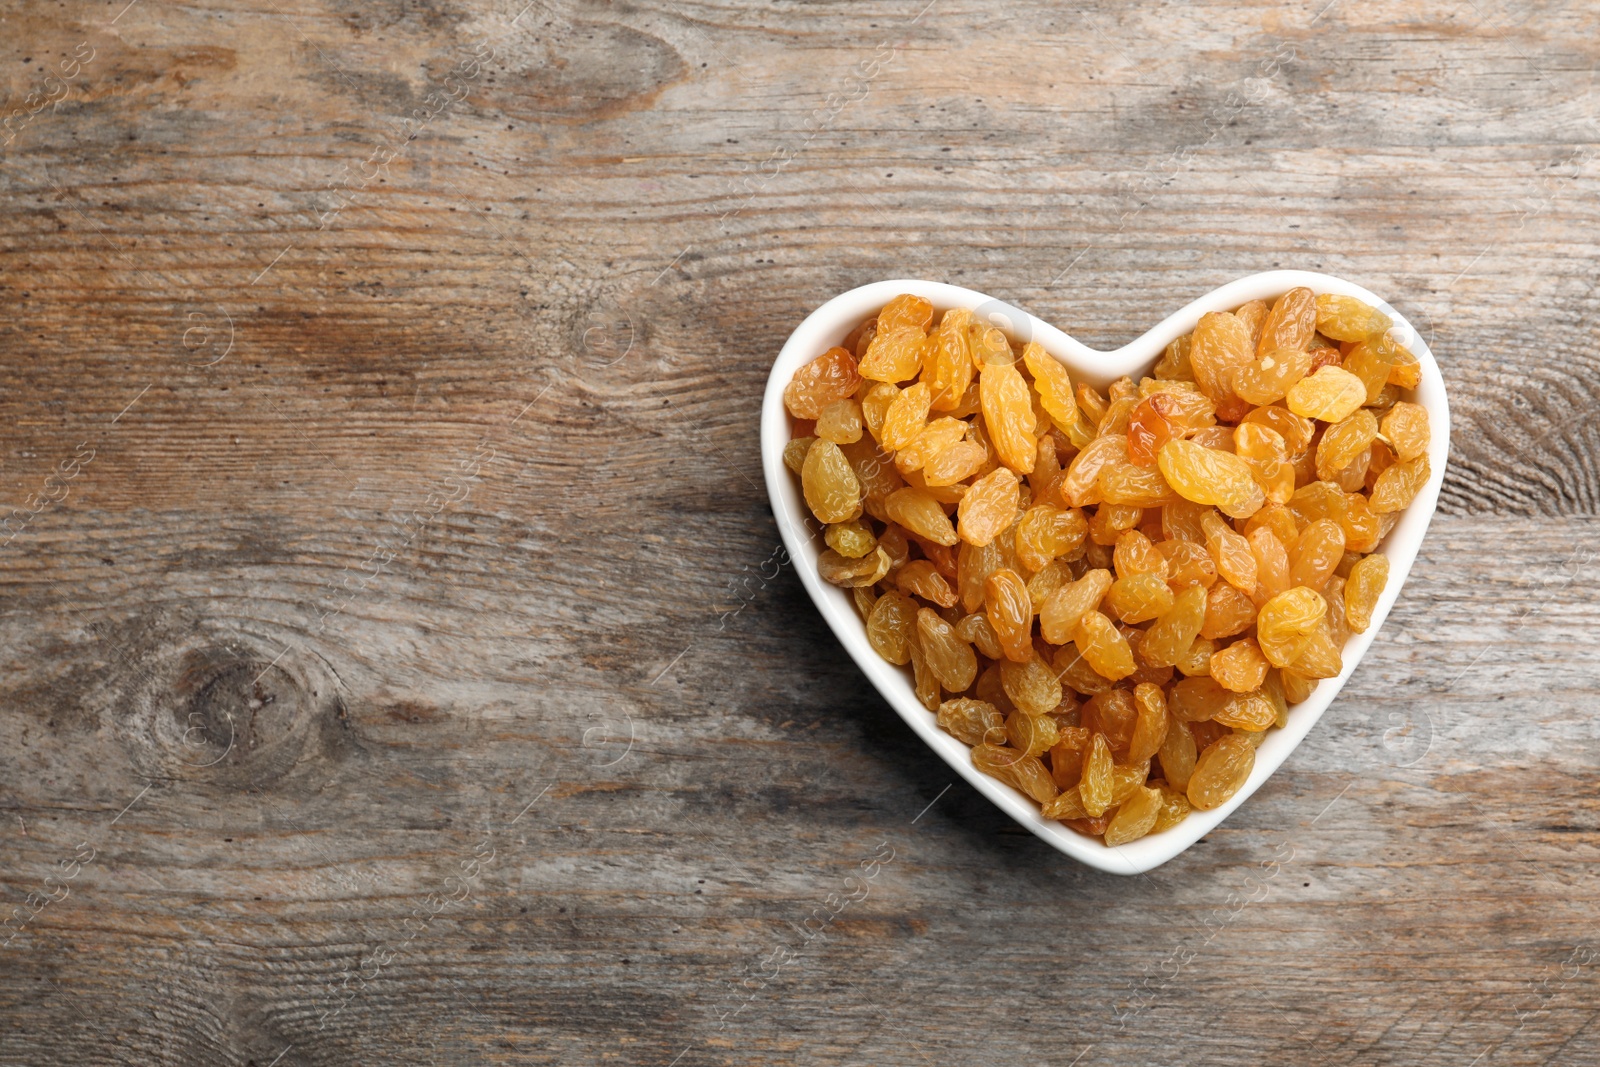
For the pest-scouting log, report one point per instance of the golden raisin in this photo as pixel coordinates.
(1151, 723)
(920, 513)
(840, 422)
(1177, 755)
(890, 625)
(1286, 623)
(1221, 771)
(1135, 817)
(1010, 612)
(1139, 598)
(831, 376)
(1399, 485)
(1032, 686)
(1240, 667)
(989, 507)
(831, 490)
(973, 722)
(1331, 395)
(1172, 634)
(948, 656)
(1105, 649)
(1033, 734)
(1228, 611)
(1046, 532)
(1221, 343)
(947, 360)
(1345, 318)
(1059, 616)
(1008, 415)
(1096, 785)
(1208, 476)
(1406, 428)
(1024, 773)
(1362, 590)
(1291, 324)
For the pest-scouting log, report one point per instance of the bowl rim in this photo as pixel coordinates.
(831, 322)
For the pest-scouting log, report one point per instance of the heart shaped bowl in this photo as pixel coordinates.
(828, 326)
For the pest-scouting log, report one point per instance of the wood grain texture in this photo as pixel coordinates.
(394, 665)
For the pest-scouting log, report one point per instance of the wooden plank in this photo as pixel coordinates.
(395, 653)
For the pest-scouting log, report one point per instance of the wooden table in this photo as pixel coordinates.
(397, 668)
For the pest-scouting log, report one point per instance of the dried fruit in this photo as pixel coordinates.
(1399, 485)
(1188, 564)
(1059, 617)
(1175, 808)
(1080, 486)
(935, 438)
(1009, 609)
(973, 722)
(923, 681)
(1362, 590)
(948, 656)
(1172, 634)
(1240, 667)
(1345, 318)
(1221, 343)
(1344, 441)
(914, 461)
(919, 513)
(1033, 734)
(1286, 623)
(989, 507)
(1135, 817)
(1103, 646)
(1230, 551)
(1269, 376)
(1272, 564)
(840, 422)
(1024, 773)
(1032, 686)
(947, 360)
(1053, 383)
(1008, 415)
(1150, 724)
(1221, 771)
(1295, 430)
(843, 570)
(1406, 429)
(1046, 532)
(1208, 476)
(1331, 395)
(1291, 324)
(1152, 423)
(890, 626)
(831, 489)
(831, 376)
(976, 630)
(853, 538)
(1178, 754)
(1228, 612)
(906, 417)
(1096, 785)
(1197, 660)
(921, 578)
(1320, 549)
(1139, 598)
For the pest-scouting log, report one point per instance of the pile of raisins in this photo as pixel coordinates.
(1112, 597)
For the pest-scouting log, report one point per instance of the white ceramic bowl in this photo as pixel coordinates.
(828, 325)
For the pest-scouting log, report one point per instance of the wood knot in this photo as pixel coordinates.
(245, 708)
(235, 716)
